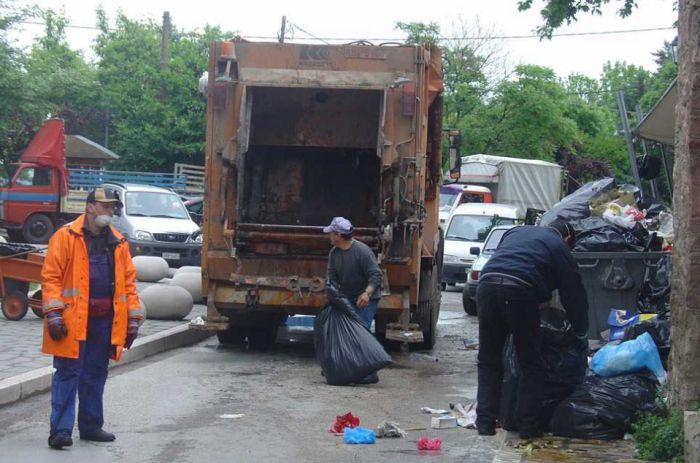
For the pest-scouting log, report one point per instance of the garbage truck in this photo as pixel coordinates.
(296, 135)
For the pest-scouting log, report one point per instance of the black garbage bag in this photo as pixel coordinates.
(655, 292)
(347, 351)
(595, 234)
(603, 408)
(565, 367)
(576, 205)
(10, 249)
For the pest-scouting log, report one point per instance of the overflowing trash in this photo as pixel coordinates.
(604, 407)
(347, 351)
(425, 443)
(655, 293)
(344, 421)
(389, 429)
(358, 435)
(622, 320)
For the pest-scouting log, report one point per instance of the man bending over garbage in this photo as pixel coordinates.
(353, 268)
(529, 264)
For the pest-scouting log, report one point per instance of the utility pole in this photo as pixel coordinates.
(282, 29)
(628, 138)
(164, 52)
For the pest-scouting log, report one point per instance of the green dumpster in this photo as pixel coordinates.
(612, 281)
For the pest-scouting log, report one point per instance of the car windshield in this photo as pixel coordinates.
(155, 204)
(474, 227)
(447, 200)
(494, 240)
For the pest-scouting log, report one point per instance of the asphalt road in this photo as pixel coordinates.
(186, 406)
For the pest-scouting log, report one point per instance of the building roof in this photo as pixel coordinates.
(78, 146)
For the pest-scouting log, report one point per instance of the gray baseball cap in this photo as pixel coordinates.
(339, 225)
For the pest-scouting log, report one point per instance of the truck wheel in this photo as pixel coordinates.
(37, 229)
(428, 309)
(233, 336)
(468, 303)
(262, 337)
(15, 305)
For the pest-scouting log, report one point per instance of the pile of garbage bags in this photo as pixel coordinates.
(596, 403)
(610, 218)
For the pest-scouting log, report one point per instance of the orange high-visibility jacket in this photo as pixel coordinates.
(65, 286)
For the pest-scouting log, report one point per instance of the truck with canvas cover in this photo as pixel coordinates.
(39, 194)
(299, 134)
(524, 183)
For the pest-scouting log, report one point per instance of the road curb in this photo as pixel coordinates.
(21, 386)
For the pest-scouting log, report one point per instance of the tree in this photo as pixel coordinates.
(151, 133)
(556, 12)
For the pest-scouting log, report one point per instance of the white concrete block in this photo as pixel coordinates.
(166, 302)
(150, 268)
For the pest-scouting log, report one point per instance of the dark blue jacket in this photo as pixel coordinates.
(538, 256)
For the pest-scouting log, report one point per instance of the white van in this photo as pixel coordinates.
(468, 227)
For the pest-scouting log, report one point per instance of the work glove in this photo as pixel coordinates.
(56, 326)
(132, 330)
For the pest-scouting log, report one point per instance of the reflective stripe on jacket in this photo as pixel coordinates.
(65, 286)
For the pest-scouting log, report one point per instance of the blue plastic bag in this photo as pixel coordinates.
(629, 357)
(358, 435)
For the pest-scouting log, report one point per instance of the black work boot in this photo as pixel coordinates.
(98, 435)
(59, 440)
(372, 378)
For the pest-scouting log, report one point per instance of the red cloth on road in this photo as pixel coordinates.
(344, 421)
(424, 443)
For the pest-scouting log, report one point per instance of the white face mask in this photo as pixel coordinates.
(103, 220)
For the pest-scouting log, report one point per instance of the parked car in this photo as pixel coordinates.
(195, 206)
(454, 194)
(467, 228)
(490, 244)
(156, 223)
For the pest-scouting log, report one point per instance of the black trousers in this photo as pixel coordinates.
(507, 309)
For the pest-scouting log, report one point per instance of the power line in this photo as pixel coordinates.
(326, 40)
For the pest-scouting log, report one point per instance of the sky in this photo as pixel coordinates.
(361, 19)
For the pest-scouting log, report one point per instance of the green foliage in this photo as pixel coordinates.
(660, 437)
(556, 12)
(420, 33)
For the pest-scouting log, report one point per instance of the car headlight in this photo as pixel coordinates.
(195, 237)
(142, 235)
(450, 258)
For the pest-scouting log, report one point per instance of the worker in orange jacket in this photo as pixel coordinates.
(92, 313)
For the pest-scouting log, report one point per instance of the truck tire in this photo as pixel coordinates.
(233, 336)
(262, 337)
(37, 229)
(428, 309)
(468, 303)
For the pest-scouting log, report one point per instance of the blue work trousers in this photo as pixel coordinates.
(85, 376)
(367, 314)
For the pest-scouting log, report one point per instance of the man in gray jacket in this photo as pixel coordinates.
(353, 268)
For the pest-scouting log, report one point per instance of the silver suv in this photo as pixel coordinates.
(156, 223)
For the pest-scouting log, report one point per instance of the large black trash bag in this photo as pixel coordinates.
(603, 408)
(347, 351)
(655, 292)
(565, 367)
(595, 234)
(10, 249)
(576, 205)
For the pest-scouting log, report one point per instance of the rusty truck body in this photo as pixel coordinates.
(298, 134)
